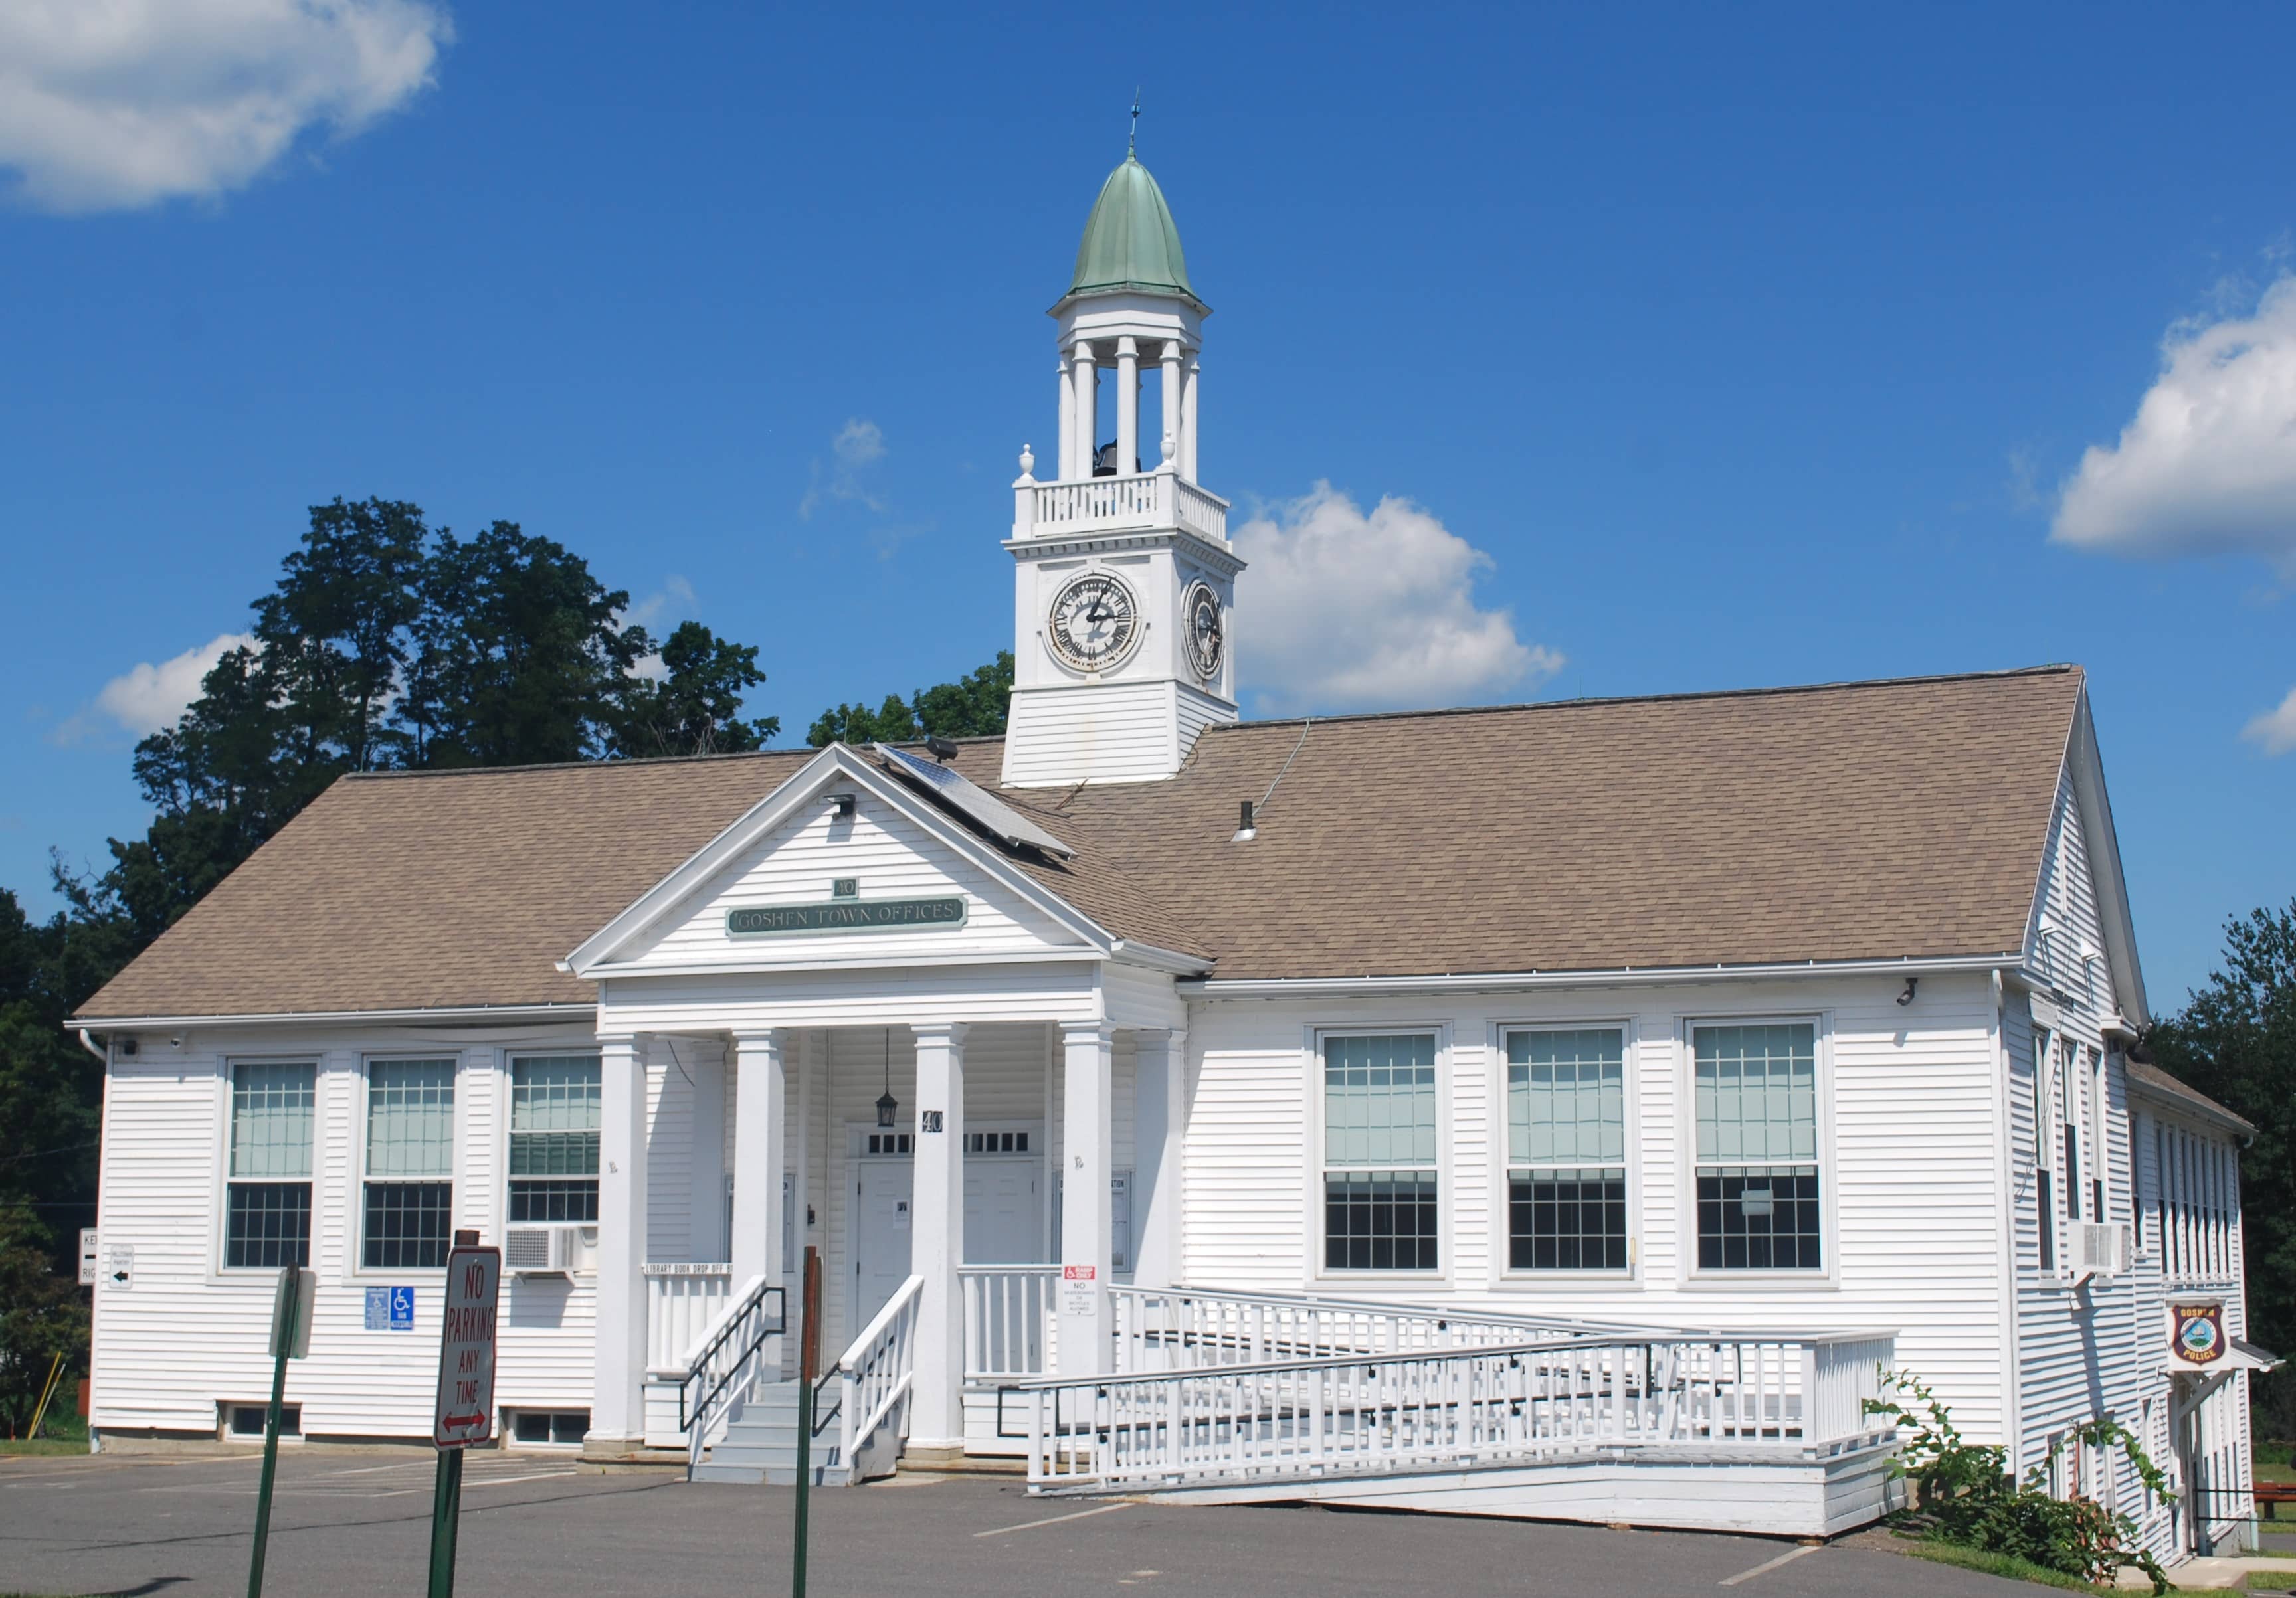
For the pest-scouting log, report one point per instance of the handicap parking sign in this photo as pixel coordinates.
(390, 1309)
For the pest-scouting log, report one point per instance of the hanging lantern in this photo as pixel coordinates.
(887, 1104)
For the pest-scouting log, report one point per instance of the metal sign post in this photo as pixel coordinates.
(465, 1411)
(808, 1371)
(290, 1338)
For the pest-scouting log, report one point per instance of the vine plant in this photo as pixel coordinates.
(1963, 1492)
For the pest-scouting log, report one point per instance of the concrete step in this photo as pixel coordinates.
(761, 1445)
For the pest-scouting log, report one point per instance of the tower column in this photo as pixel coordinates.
(1087, 426)
(1128, 406)
(1065, 458)
(1171, 403)
(1188, 420)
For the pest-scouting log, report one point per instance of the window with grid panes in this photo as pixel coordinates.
(410, 1162)
(554, 1137)
(267, 1201)
(1381, 1211)
(1755, 1090)
(2044, 1111)
(1566, 1150)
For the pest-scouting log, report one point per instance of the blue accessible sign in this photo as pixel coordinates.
(390, 1309)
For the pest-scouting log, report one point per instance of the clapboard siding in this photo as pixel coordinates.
(186, 1335)
(890, 857)
(1911, 1176)
(1095, 733)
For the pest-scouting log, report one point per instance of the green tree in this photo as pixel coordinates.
(974, 705)
(694, 707)
(2235, 1041)
(521, 658)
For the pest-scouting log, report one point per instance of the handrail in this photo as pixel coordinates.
(1456, 1407)
(711, 1371)
(883, 1359)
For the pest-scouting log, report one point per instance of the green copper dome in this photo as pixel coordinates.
(1130, 241)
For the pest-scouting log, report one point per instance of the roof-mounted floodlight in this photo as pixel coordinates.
(1245, 832)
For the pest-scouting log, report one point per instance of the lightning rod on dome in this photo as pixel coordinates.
(1132, 145)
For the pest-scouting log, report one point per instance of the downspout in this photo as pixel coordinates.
(87, 1042)
(2012, 1404)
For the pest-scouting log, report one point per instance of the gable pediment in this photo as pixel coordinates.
(798, 881)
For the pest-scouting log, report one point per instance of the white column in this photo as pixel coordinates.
(1064, 461)
(618, 1401)
(1158, 1082)
(1086, 386)
(707, 1237)
(936, 1239)
(759, 1123)
(1188, 421)
(1128, 406)
(1170, 408)
(1087, 1238)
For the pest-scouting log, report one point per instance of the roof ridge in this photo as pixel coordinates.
(2055, 668)
(605, 765)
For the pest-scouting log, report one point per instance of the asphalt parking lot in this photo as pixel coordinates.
(351, 1523)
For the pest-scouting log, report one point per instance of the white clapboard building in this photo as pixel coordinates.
(1557, 1110)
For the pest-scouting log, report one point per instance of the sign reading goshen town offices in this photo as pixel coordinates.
(847, 915)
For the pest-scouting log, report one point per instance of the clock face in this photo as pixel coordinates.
(1200, 620)
(1094, 623)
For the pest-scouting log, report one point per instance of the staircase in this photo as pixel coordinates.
(743, 1429)
(759, 1444)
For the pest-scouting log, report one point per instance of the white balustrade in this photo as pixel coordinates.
(1461, 1408)
(1142, 500)
(681, 1300)
(1009, 1324)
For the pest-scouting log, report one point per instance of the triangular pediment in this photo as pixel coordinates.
(805, 879)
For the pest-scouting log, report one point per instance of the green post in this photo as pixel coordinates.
(808, 1370)
(446, 1519)
(285, 1310)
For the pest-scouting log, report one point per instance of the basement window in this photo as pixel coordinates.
(537, 1427)
(250, 1420)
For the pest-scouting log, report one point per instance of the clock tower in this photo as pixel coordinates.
(1124, 580)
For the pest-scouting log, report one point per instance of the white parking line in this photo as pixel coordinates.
(1787, 1558)
(506, 1481)
(1105, 1508)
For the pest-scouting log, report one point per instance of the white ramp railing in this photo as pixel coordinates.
(1171, 1329)
(875, 1375)
(1455, 1409)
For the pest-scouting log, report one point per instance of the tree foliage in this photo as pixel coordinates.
(2235, 1041)
(974, 705)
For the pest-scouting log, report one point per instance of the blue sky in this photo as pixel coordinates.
(1706, 347)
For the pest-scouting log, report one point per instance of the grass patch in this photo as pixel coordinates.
(2275, 1462)
(59, 1434)
(2015, 1569)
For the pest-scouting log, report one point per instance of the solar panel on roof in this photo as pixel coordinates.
(969, 799)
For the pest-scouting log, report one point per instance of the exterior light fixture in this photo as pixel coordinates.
(886, 1103)
(943, 749)
(1246, 829)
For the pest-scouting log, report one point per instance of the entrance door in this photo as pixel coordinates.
(883, 1199)
(1002, 1217)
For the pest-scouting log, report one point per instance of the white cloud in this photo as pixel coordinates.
(2208, 466)
(859, 443)
(1341, 610)
(147, 698)
(2274, 730)
(673, 601)
(107, 104)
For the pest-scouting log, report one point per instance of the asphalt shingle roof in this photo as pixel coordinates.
(1858, 820)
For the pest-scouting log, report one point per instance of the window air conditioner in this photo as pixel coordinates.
(540, 1251)
(2100, 1249)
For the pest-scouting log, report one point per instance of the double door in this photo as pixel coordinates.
(1003, 1220)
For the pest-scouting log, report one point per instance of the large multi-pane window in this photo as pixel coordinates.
(1566, 1150)
(554, 1138)
(1380, 1178)
(1758, 1156)
(267, 1198)
(410, 1162)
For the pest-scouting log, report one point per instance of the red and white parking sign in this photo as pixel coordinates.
(466, 1349)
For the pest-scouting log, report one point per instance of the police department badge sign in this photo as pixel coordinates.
(2196, 1333)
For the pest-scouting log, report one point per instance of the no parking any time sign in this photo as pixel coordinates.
(466, 1349)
